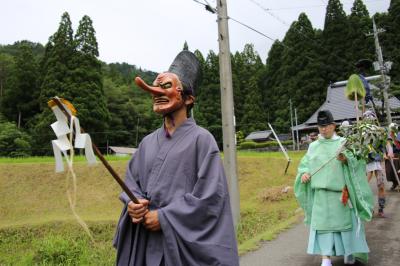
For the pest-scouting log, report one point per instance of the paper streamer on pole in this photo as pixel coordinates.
(82, 140)
(62, 144)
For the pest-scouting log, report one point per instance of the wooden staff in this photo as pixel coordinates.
(339, 151)
(395, 173)
(100, 156)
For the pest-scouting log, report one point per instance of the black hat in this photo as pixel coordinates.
(187, 67)
(325, 118)
(363, 63)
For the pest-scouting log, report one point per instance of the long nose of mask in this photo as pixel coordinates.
(153, 90)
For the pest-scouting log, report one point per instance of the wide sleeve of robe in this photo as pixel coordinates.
(360, 192)
(303, 191)
(129, 237)
(198, 227)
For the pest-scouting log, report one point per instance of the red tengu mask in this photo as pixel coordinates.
(167, 92)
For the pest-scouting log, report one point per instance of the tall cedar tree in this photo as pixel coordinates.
(249, 110)
(269, 79)
(86, 88)
(57, 63)
(56, 79)
(294, 72)
(20, 101)
(391, 48)
(335, 45)
(359, 24)
(254, 116)
(6, 66)
(208, 107)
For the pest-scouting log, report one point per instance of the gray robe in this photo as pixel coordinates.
(184, 180)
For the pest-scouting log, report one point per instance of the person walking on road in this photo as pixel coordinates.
(332, 189)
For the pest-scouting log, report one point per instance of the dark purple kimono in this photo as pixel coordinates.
(184, 180)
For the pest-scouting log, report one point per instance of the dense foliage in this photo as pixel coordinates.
(115, 112)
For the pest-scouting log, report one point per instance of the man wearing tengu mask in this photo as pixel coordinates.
(184, 215)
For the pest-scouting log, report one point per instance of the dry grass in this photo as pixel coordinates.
(34, 194)
(276, 193)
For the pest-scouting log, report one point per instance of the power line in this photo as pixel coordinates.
(301, 33)
(268, 11)
(247, 26)
(319, 6)
(211, 9)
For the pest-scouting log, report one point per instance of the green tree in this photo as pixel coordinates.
(254, 116)
(359, 24)
(12, 49)
(56, 65)
(335, 45)
(20, 101)
(247, 68)
(294, 72)
(13, 142)
(391, 47)
(86, 88)
(208, 108)
(269, 78)
(56, 79)
(131, 113)
(6, 65)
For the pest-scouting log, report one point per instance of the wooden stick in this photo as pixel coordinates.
(100, 156)
(281, 146)
(395, 174)
(356, 101)
(340, 150)
(287, 166)
(323, 165)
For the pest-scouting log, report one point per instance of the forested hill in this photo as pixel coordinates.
(298, 68)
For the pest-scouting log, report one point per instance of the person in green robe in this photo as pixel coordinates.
(332, 188)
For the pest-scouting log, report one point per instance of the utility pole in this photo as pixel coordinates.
(291, 124)
(227, 109)
(107, 146)
(384, 69)
(297, 131)
(137, 131)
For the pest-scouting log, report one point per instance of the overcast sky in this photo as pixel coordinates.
(149, 33)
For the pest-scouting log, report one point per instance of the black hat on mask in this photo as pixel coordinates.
(187, 67)
(325, 118)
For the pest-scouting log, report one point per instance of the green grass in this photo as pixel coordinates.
(57, 243)
(37, 227)
(50, 159)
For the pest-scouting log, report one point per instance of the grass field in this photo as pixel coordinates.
(37, 227)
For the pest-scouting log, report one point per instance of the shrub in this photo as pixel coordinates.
(257, 145)
(13, 142)
(57, 250)
(247, 145)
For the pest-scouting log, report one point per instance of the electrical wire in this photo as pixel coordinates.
(268, 11)
(252, 29)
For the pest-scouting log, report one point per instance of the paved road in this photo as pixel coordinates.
(289, 249)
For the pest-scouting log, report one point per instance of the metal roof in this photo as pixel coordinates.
(342, 108)
(123, 150)
(256, 135)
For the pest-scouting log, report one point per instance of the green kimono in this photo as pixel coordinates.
(335, 228)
